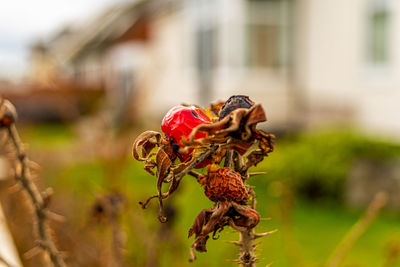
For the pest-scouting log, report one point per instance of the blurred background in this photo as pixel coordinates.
(88, 76)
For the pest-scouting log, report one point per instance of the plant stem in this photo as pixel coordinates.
(247, 256)
(23, 175)
(228, 158)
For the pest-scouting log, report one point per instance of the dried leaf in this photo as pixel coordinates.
(163, 165)
(200, 220)
(146, 141)
(248, 218)
(255, 115)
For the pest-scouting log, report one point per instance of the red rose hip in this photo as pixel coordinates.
(179, 122)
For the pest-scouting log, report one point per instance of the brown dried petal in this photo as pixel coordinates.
(256, 114)
(216, 107)
(253, 159)
(249, 217)
(239, 145)
(209, 128)
(266, 143)
(236, 117)
(146, 141)
(200, 220)
(163, 165)
(239, 124)
(150, 164)
(216, 217)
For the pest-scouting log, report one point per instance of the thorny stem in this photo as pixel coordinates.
(23, 175)
(237, 161)
(247, 257)
(194, 174)
(228, 158)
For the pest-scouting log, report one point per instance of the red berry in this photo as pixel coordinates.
(179, 122)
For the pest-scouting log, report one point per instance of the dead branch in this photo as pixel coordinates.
(22, 174)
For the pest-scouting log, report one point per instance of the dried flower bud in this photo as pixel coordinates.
(235, 102)
(8, 114)
(223, 184)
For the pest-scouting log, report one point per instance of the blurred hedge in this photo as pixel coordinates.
(316, 164)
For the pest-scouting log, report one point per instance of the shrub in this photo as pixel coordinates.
(316, 164)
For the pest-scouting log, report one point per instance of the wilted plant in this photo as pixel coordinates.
(224, 134)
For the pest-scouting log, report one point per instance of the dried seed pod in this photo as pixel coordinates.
(8, 114)
(235, 102)
(179, 122)
(223, 184)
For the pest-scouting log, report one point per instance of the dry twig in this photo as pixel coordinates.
(22, 174)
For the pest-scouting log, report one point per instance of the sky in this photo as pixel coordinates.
(25, 21)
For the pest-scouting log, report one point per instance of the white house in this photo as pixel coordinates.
(347, 57)
(306, 61)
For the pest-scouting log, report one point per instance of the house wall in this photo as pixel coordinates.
(167, 81)
(269, 86)
(333, 71)
(173, 68)
(327, 78)
(123, 68)
(379, 106)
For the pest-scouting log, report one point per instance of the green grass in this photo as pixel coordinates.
(322, 158)
(317, 227)
(45, 136)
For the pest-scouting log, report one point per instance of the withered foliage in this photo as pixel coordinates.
(232, 139)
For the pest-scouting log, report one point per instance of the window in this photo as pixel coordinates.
(378, 32)
(206, 49)
(266, 33)
(205, 17)
(262, 45)
(206, 61)
(205, 31)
